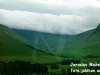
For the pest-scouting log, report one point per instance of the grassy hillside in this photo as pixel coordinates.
(84, 44)
(14, 47)
(11, 44)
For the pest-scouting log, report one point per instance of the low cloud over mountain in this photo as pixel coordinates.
(53, 16)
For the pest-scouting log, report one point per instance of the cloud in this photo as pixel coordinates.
(37, 21)
(53, 16)
(48, 6)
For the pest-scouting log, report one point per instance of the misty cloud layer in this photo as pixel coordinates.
(53, 16)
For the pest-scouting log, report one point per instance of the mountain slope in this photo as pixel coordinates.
(84, 44)
(14, 47)
(12, 44)
(44, 41)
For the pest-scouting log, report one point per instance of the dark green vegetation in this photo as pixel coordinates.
(21, 68)
(27, 68)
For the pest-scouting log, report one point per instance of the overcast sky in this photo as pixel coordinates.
(54, 16)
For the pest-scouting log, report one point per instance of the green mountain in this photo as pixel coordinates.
(14, 47)
(12, 44)
(84, 44)
(45, 41)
